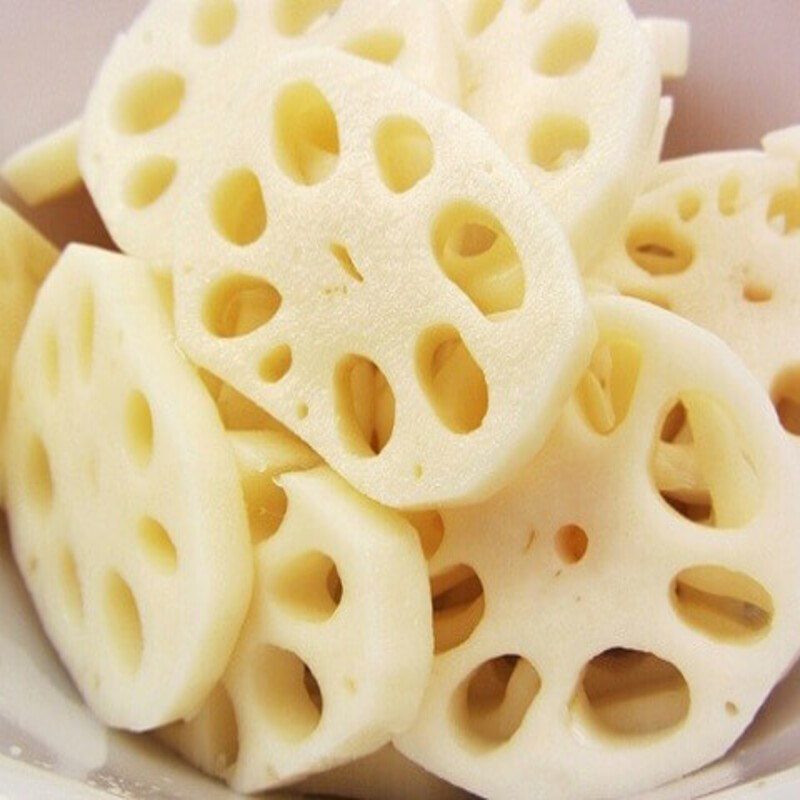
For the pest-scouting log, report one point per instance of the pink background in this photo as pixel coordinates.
(744, 80)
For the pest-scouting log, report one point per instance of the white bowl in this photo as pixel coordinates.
(743, 83)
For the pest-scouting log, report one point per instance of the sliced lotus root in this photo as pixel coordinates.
(717, 240)
(125, 503)
(164, 90)
(392, 291)
(47, 168)
(645, 598)
(385, 775)
(25, 259)
(337, 648)
(671, 42)
(570, 90)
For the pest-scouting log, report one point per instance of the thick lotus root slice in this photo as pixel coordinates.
(25, 259)
(163, 93)
(429, 309)
(126, 510)
(337, 649)
(717, 240)
(570, 90)
(645, 598)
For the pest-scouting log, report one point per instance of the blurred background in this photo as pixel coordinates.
(744, 78)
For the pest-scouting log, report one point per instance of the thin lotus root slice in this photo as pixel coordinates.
(570, 90)
(164, 91)
(415, 314)
(25, 259)
(645, 597)
(671, 42)
(718, 242)
(126, 509)
(337, 649)
(385, 775)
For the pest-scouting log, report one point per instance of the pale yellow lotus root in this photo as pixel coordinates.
(47, 168)
(570, 90)
(385, 775)
(165, 89)
(126, 510)
(717, 240)
(616, 617)
(362, 262)
(337, 649)
(25, 259)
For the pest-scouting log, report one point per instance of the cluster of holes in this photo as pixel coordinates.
(452, 380)
(139, 432)
(238, 211)
(213, 21)
(723, 605)
(123, 623)
(490, 705)
(783, 214)
(149, 180)
(429, 526)
(157, 546)
(365, 405)
(148, 101)
(656, 247)
(382, 46)
(238, 305)
(630, 694)
(458, 606)
(607, 389)
(701, 467)
(297, 17)
(786, 398)
(310, 586)
(288, 693)
(306, 134)
(568, 50)
(476, 253)
(557, 141)
(404, 151)
(571, 544)
(482, 14)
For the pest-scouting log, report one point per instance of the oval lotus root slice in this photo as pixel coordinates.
(337, 648)
(645, 599)
(164, 90)
(718, 242)
(126, 510)
(571, 93)
(25, 259)
(401, 303)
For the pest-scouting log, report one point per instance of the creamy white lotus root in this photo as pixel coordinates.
(717, 240)
(337, 649)
(645, 597)
(125, 504)
(362, 262)
(385, 775)
(164, 90)
(570, 90)
(25, 259)
(671, 42)
(47, 168)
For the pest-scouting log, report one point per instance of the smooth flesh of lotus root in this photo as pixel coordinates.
(25, 259)
(717, 240)
(126, 512)
(164, 90)
(645, 597)
(337, 649)
(399, 333)
(570, 91)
